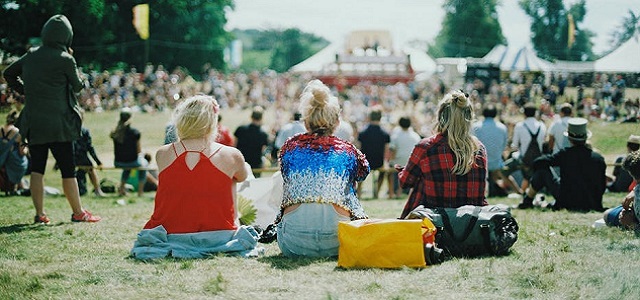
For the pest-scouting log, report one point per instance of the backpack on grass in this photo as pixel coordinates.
(533, 151)
(470, 231)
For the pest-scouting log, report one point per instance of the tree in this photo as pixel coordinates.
(277, 49)
(470, 28)
(550, 29)
(628, 26)
(182, 33)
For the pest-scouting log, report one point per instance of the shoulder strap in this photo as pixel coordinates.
(173, 145)
(216, 151)
(531, 133)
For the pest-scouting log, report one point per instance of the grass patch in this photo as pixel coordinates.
(558, 255)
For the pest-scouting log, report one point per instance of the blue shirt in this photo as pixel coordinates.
(493, 136)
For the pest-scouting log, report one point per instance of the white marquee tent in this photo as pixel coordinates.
(512, 59)
(625, 59)
(325, 59)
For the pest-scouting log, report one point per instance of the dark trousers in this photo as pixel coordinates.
(545, 178)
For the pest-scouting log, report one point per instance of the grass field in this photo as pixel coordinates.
(558, 254)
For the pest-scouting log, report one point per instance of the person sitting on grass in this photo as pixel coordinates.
(195, 211)
(320, 172)
(582, 179)
(448, 169)
(627, 215)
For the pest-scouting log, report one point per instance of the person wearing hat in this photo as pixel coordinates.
(128, 152)
(582, 179)
(557, 139)
(50, 120)
(621, 179)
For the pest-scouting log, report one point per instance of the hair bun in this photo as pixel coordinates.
(460, 99)
(320, 97)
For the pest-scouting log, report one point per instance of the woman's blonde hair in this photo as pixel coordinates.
(455, 114)
(196, 117)
(320, 109)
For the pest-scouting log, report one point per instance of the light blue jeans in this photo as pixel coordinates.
(311, 230)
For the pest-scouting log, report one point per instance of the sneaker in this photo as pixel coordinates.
(85, 216)
(525, 205)
(41, 219)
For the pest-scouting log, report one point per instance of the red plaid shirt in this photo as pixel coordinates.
(428, 172)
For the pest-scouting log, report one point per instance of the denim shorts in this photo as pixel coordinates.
(613, 216)
(311, 230)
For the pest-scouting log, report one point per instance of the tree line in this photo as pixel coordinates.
(191, 33)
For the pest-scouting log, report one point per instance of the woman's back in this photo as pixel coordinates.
(322, 169)
(194, 195)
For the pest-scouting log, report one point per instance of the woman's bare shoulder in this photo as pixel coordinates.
(164, 156)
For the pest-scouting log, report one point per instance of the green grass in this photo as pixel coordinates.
(558, 254)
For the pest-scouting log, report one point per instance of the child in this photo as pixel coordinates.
(83, 147)
(627, 215)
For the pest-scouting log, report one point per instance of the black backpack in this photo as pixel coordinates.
(533, 151)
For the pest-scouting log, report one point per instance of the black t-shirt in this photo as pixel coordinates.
(127, 151)
(372, 144)
(250, 141)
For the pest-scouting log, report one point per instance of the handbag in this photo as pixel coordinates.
(469, 231)
(384, 243)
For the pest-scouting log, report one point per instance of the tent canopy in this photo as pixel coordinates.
(625, 59)
(512, 59)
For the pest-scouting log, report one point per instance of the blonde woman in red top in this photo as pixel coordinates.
(195, 204)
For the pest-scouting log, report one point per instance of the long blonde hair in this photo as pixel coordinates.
(319, 108)
(455, 114)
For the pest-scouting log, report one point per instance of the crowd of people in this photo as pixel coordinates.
(425, 141)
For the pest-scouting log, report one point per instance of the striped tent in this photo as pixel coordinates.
(523, 59)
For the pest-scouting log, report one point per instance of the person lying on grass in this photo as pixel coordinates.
(195, 213)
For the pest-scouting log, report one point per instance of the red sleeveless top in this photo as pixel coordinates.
(197, 200)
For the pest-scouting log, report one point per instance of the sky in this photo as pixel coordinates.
(407, 20)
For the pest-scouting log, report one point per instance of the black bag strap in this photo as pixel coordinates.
(531, 133)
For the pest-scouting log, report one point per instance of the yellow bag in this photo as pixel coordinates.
(383, 243)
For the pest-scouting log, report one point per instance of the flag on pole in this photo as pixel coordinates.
(141, 20)
(571, 34)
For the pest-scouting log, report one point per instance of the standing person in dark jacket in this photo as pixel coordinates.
(128, 152)
(50, 120)
(582, 179)
(82, 149)
(251, 140)
(374, 143)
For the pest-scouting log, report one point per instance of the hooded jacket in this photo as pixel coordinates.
(48, 78)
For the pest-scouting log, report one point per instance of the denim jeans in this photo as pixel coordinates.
(311, 230)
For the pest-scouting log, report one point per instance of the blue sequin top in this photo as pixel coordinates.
(322, 169)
